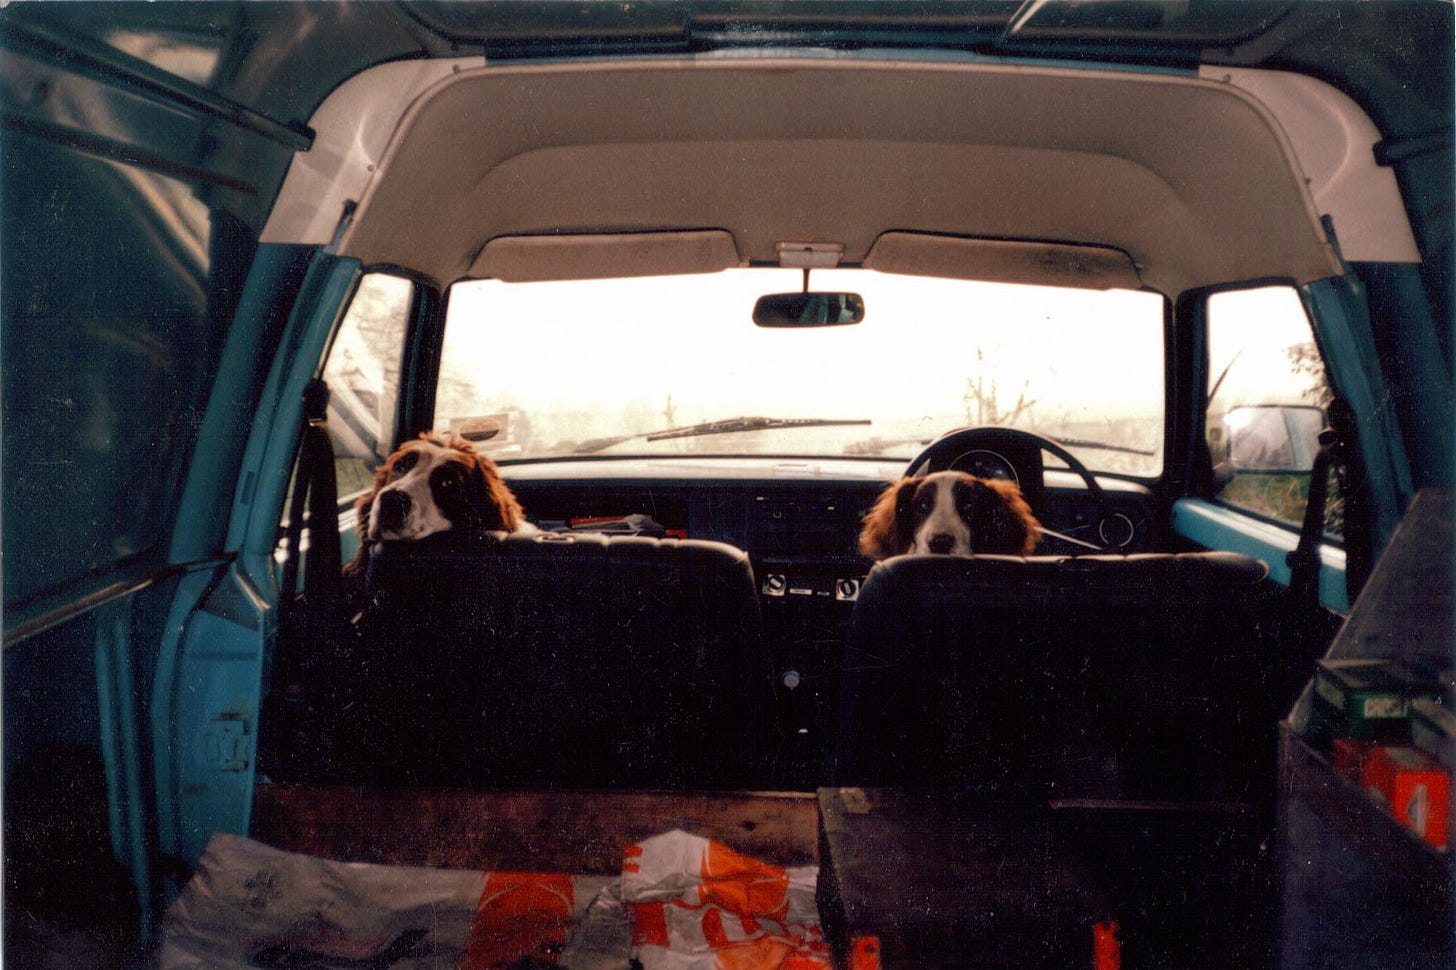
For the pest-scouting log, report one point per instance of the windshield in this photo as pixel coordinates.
(675, 365)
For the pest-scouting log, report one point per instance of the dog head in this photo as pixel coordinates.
(950, 513)
(433, 484)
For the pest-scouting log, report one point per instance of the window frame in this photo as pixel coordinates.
(1213, 490)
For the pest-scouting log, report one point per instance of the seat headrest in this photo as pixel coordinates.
(481, 552)
(1108, 577)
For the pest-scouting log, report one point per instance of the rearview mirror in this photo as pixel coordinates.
(808, 309)
(1273, 439)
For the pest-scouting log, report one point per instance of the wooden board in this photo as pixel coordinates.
(577, 832)
(952, 880)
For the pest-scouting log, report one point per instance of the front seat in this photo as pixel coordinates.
(561, 661)
(1140, 676)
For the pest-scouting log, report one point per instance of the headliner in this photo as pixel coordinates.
(1194, 179)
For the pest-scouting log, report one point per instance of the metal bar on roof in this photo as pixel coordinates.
(111, 148)
(100, 61)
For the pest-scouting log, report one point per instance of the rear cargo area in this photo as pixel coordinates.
(848, 877)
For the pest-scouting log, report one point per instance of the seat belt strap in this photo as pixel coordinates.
(315, 491)
(321, 566)
(1304, 561)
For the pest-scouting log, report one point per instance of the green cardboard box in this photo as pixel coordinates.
(1371, 698)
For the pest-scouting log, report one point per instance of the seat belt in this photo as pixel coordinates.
(315, 489)
(1304, 561)
(321, 563)
(311, 627)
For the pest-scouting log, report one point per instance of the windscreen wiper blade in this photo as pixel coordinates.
(724, 426)
(748, 424)
(594, 445)
(1104, 446)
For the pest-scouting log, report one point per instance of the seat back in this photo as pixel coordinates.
(1139, 676)
(565, 661)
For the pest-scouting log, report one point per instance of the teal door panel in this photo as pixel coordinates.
(205, 711)
(1213, 526)
(209, 687)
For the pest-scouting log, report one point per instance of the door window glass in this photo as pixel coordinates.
(362, 372)
(1267, 404)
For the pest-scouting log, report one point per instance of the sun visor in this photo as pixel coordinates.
(520, 259)
(1005, 261)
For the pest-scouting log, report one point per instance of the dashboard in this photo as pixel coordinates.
(783, 512)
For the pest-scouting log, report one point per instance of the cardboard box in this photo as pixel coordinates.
(1433, 730)
(1414, 788)
(1370, 699)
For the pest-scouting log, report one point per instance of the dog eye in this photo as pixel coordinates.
(405, 463)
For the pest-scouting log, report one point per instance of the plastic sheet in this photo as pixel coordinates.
(680, 902)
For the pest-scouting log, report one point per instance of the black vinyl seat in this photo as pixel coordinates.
(570, 661)
(1142, 676)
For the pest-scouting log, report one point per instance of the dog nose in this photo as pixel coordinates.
(394, 505)
(941, 543)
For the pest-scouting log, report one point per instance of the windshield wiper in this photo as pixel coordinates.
(1104, 446)
(593, 445)
(724, 426)
(729, 425)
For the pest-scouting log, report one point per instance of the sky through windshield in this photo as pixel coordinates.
(572, 363)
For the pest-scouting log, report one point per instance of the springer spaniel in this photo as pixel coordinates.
(429, 485)
(950, 513)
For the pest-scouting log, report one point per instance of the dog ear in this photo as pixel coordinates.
(354, 570)
(505, 501)
(362, 508)
(1013, 530)
(491, 504)
(886, 525)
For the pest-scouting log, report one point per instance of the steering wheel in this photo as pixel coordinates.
(951, 450)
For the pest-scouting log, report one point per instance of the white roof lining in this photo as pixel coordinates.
(485, 188)
(1334, 142)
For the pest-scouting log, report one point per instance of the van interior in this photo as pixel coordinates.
(700, 281)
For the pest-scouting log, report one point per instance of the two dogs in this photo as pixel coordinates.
(439, 482)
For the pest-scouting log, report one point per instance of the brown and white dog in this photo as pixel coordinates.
(950, 513)
(432, 484)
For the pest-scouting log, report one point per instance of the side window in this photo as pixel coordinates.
(1267, 401)
(362, 372)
